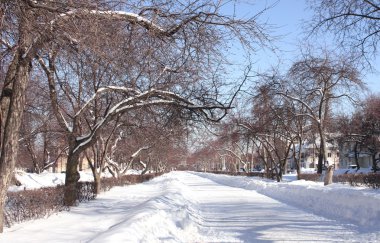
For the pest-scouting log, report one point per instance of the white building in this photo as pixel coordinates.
(310, 152)
(364, 157)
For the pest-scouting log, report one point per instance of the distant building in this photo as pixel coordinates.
(59, 165)
(310, 151)
(364, 157)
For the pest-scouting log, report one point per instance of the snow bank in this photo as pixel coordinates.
(352, 171)
(34, 181)
(355, 205)
(30, 181)
(171, 213)
(161, 210)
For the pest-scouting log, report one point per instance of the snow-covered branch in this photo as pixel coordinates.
(138, 152)
(315, 90)
(104, 90)
(233, 153)
(148, 98)
(6, 44)
(341, 96)
(115, 15)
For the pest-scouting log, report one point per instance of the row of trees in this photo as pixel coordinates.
(288, 110)
(97, 76)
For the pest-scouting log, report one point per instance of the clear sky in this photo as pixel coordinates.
(288, 18)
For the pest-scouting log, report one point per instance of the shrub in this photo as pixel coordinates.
(32, 204)
(108, 183)
(86, 191)
(371, 180)
(351, 179)
(310, 177)
(258, 174)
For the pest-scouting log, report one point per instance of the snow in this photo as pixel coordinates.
(355, 205)
(200, 207)
(353, 171)
(31, 181)
(127, 16)
(308, 170)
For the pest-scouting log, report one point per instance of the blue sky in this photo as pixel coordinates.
(287, 18)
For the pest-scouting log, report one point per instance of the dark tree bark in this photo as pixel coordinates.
(356, 155)
(71, 179)
(12, 105)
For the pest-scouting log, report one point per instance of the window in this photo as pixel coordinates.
(328, 155)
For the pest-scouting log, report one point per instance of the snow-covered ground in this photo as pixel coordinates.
(198, 207)
(353, 171)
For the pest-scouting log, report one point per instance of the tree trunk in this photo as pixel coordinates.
(12, 103)
(2, 219)
(356, 156)
(278, 170)
(11, 126)
(374, 164)
(297, 159)
(95, 174)
(320, 163)
(72, 178)
(146, 166)
(298, 168)
(80, 163)
(322, 149)
(97, 182)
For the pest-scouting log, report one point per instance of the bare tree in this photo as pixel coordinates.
(100, 151)
(320, 82)
(371, 127)
(40, 136)
(143, 90)
(362, 129)
(354, 23)
(270, 127)
(147, 142)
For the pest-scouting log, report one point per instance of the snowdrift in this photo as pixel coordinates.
(357, 205)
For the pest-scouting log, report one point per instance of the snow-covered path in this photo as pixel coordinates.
(251, 217)
(184, 207)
